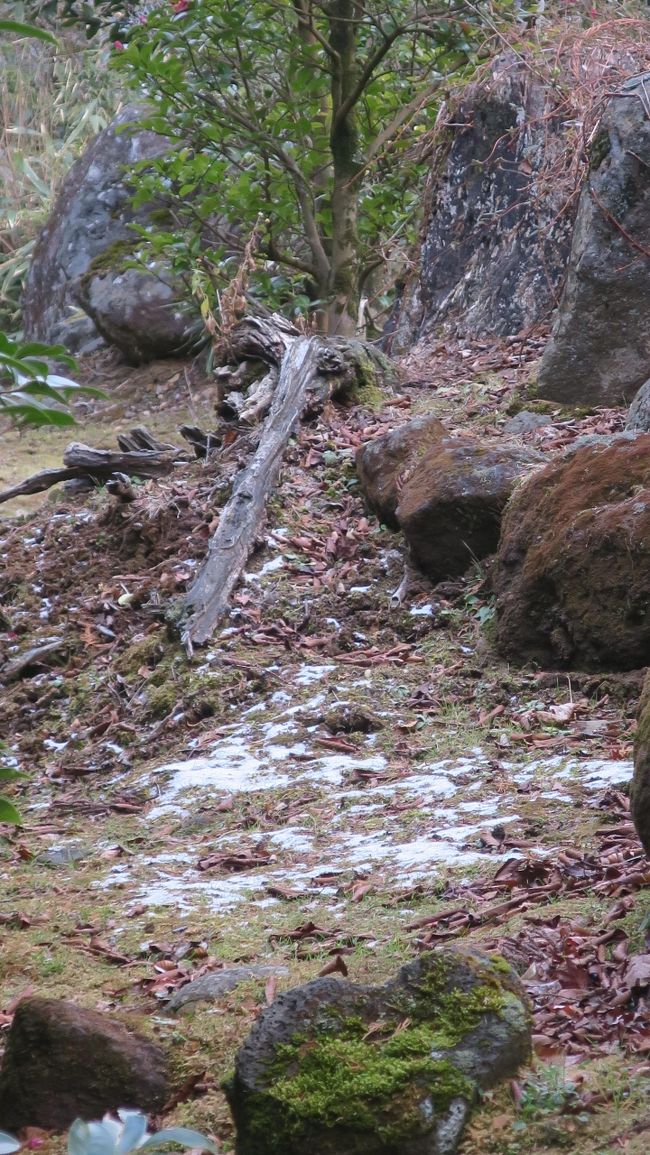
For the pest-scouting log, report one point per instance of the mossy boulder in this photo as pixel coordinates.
(64, 1062)
(640, 791)
(384, 463)
(451, 503)
(572, 578)
(335, 1067)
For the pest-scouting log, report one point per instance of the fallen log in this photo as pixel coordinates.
(311, 370)
(98, 465)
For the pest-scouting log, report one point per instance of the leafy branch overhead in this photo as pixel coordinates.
(297, 111)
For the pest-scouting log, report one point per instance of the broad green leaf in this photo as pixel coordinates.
(30, 30)
(8, 813)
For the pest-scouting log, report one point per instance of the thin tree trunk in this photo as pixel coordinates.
(343, 142)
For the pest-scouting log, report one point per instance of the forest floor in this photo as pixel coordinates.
(332, 785)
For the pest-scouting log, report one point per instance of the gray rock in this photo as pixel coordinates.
(92, 212)
(525, 422)
(145, 314)
(64, 1062)
(639, 412)
(450, 504)
(333, 1066)
(599, 351)
(495, 251)
(210, 988)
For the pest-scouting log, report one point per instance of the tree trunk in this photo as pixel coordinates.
(344, 288)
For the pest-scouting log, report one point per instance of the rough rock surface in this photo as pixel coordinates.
(451, 501)
(640, 791)
(572, 579)
(143, 314)
(92, 213)
(211, 987)
(383, 463)
(497, 234)
(639, 412)
(63, 1061)
(333, 1067)
(599, 352)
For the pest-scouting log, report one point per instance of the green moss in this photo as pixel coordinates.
(335, 1080)
(599, 148)
(145, 652)
(112, 259)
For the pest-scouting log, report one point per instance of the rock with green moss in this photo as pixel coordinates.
(334, 1067)
(572, 578)
(64, 1062)
(144, 311)
(640, 791)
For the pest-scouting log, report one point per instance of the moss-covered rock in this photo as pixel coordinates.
(640, 792)
(332, 1066)
(63, 1061)
(572, 579)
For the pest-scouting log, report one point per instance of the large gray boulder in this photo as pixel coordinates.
(572, 577)
(599, 351)
(334, 1067)
(497, 231)
(144, 312)
(91, 215)
(64, 1062)
(638, 417)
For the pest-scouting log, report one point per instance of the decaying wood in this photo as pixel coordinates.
(141, 456)
(230, 546)
(32, 660)
(310, 371)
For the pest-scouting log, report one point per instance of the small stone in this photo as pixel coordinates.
(451, 503)
(63, 1061)
(209, 988)
(525, 422)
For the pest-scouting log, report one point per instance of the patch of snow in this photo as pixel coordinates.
(307, 675)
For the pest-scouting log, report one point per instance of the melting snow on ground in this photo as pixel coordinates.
(406, 822)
